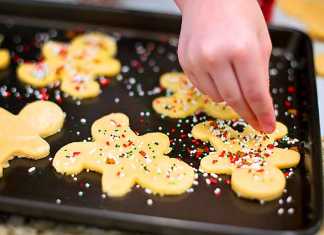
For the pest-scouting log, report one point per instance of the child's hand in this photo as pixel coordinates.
(224, 48)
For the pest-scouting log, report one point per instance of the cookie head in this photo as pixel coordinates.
(45, 117)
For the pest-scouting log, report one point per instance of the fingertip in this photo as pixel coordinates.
(269, 125)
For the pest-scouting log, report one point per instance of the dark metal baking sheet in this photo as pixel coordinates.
(200, 212)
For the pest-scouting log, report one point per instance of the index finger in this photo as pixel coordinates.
(253, 78)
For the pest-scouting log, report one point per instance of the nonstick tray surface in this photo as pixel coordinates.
(47, 194)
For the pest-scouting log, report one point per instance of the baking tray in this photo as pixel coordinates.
(36, 194)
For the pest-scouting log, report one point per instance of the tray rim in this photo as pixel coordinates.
(177, 224)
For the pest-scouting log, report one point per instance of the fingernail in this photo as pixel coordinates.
(269, 127)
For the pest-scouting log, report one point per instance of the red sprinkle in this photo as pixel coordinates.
(213, 180)
(142, 153)
(291, 89)
(287, 104)
(222, 154)
(104, 81)
(74, 154)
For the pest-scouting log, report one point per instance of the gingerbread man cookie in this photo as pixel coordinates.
(76, 65)
(186, 100)
(4, 58)
(249, 156)
(22, 135)
(125, 158)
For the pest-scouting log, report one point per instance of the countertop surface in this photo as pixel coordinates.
(13, 225)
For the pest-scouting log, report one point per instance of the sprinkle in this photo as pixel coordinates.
(103, 196)
(289, 199)
(58, 201)
(190, 190)
(217, 191)
(83, 121)
(32, 169)
(280, 211)
(80, 194)
(291, 211)
(149, 202)
(116, 100)
(87, 185)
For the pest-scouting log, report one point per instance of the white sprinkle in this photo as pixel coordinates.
(83, 120)
(132, 81)
(289, 199)
(103, 196)
(78, 133)
(149, 202)
(148, 191)
(208, 181)
(195, 183)
(214, 175)
(281, 211)
(261, 202)
(217, 191)
(78, 102)
(116, 100)
(87, 185)
(190, 190)
(58, 201)
(291, 211)
(125, 69)
(32, 169)
(80, 193)
(281, 202)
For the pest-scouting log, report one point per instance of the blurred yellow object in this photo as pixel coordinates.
(4, 58)
(309, 12)
(319, 64)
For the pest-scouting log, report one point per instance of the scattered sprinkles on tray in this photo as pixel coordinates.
(75, 66)
(185, 147)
